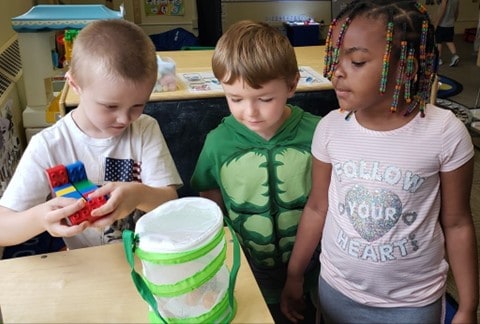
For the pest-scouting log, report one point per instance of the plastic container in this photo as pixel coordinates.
(166, 76)
(182, 247)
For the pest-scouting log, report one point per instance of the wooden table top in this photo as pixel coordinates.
(191, 61)
(93, 285)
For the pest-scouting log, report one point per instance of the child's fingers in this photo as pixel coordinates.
(104, 221)
(61, 230)
(62, 202)
(104, 190)
(62, 207)
(105, 209)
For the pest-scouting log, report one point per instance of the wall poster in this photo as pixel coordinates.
(164, 7)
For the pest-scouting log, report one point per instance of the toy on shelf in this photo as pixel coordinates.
(69, 37)
(166, 77)
(71, 181)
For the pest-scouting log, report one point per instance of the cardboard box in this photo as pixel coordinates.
(469, 35)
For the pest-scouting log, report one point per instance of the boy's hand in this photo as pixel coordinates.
(123, 200)
(292, 303)
(55, 212)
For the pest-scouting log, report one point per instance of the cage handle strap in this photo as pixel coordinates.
(129, 244)
(235, 264)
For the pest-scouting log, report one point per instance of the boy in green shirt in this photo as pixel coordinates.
(256, 164)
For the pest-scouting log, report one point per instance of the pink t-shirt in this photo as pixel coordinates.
(382, 244)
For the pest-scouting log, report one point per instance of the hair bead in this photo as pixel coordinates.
(409, 74)
(335, 51)
(386, 57)
(400, 76)
(329, 49)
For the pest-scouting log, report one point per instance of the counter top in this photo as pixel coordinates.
(199, 61)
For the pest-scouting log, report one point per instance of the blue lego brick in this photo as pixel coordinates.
(76, 172)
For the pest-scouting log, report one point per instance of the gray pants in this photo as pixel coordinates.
(337, 308)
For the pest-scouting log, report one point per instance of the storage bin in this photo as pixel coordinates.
(469, 35)
(182, 247)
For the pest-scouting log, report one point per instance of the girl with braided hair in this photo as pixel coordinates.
(391, 179)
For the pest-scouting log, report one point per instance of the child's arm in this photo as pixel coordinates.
(125, 197)
(457, 223)
(18, 227)
(309, 234)
(216, 196)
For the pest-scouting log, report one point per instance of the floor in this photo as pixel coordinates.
(468, 74)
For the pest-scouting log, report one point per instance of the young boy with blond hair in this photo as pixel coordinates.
(113, 70)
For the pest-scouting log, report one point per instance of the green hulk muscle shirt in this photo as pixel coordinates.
(264, 185)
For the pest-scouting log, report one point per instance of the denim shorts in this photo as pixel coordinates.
(337, 308)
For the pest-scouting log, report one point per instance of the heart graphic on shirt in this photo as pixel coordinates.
(372, 214)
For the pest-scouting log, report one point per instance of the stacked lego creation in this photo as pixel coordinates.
(71, 181)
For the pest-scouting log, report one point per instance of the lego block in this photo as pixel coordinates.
(71, 181)
(85, 213)
(80, 216)
(73, 194)
(85, 187)
(76, 172)
(57, 176)
(63, 190)
(96, 202)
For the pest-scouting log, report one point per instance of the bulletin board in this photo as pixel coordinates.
(164, 7)
(158, 23)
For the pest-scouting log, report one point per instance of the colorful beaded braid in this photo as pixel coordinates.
(400, 76)
(409, 74)
(423, 41)
(334, 52)
(426, 68)
(329, 49)
(386, 57)
(421, 8)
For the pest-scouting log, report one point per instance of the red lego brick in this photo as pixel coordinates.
(85, 213)
(57, 176)
(96, 202)
(80, 216)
